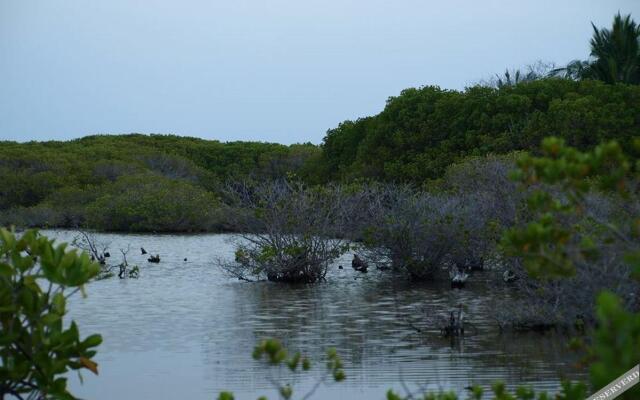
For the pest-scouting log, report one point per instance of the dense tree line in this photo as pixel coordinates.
(424, 130)
(414, 140)
(132, 182)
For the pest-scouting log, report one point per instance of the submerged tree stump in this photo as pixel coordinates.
(456, 324)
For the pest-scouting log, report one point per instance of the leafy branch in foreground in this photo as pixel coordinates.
(274, 354)
(35, 347)
(580, 234)
(552, 249)
(548, 245)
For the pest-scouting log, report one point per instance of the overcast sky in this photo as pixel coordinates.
(277, 70)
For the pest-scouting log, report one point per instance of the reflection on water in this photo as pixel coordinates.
(186, 330)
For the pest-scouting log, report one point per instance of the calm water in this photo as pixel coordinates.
(185, 330)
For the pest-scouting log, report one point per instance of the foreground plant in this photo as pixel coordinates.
(582, 229)
(274, 354)
(554, 251)
(36, 349)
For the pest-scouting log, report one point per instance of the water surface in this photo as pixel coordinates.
(185, 330)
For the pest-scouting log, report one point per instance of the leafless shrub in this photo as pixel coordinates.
(99, 251)
(454, 224)
(409, 230)
(125, 271)
(89, 242)
(489, 202)
(290, 233)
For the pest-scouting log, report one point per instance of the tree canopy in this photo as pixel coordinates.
(423, 130)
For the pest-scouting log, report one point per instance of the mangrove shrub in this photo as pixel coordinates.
(37, 347)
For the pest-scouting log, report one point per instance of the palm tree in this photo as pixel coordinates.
(615, 54)
(531, 72)
(576, 70)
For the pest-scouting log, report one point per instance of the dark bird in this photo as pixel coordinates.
(143, 250)
(358, 264)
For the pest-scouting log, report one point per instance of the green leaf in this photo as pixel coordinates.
(92, 341)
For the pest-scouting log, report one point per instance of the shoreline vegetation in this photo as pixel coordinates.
(164, 183)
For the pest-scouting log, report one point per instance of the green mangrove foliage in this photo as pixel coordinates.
(36, 347)
(149, 203)
(70, 184)
(423, 131)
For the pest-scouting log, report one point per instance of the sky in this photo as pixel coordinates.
(279, 70)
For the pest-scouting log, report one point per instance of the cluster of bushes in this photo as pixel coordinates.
(292, 231)
(423, 131)
(132, 182)
(141, 202)
(474, 218)
(415, 139)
